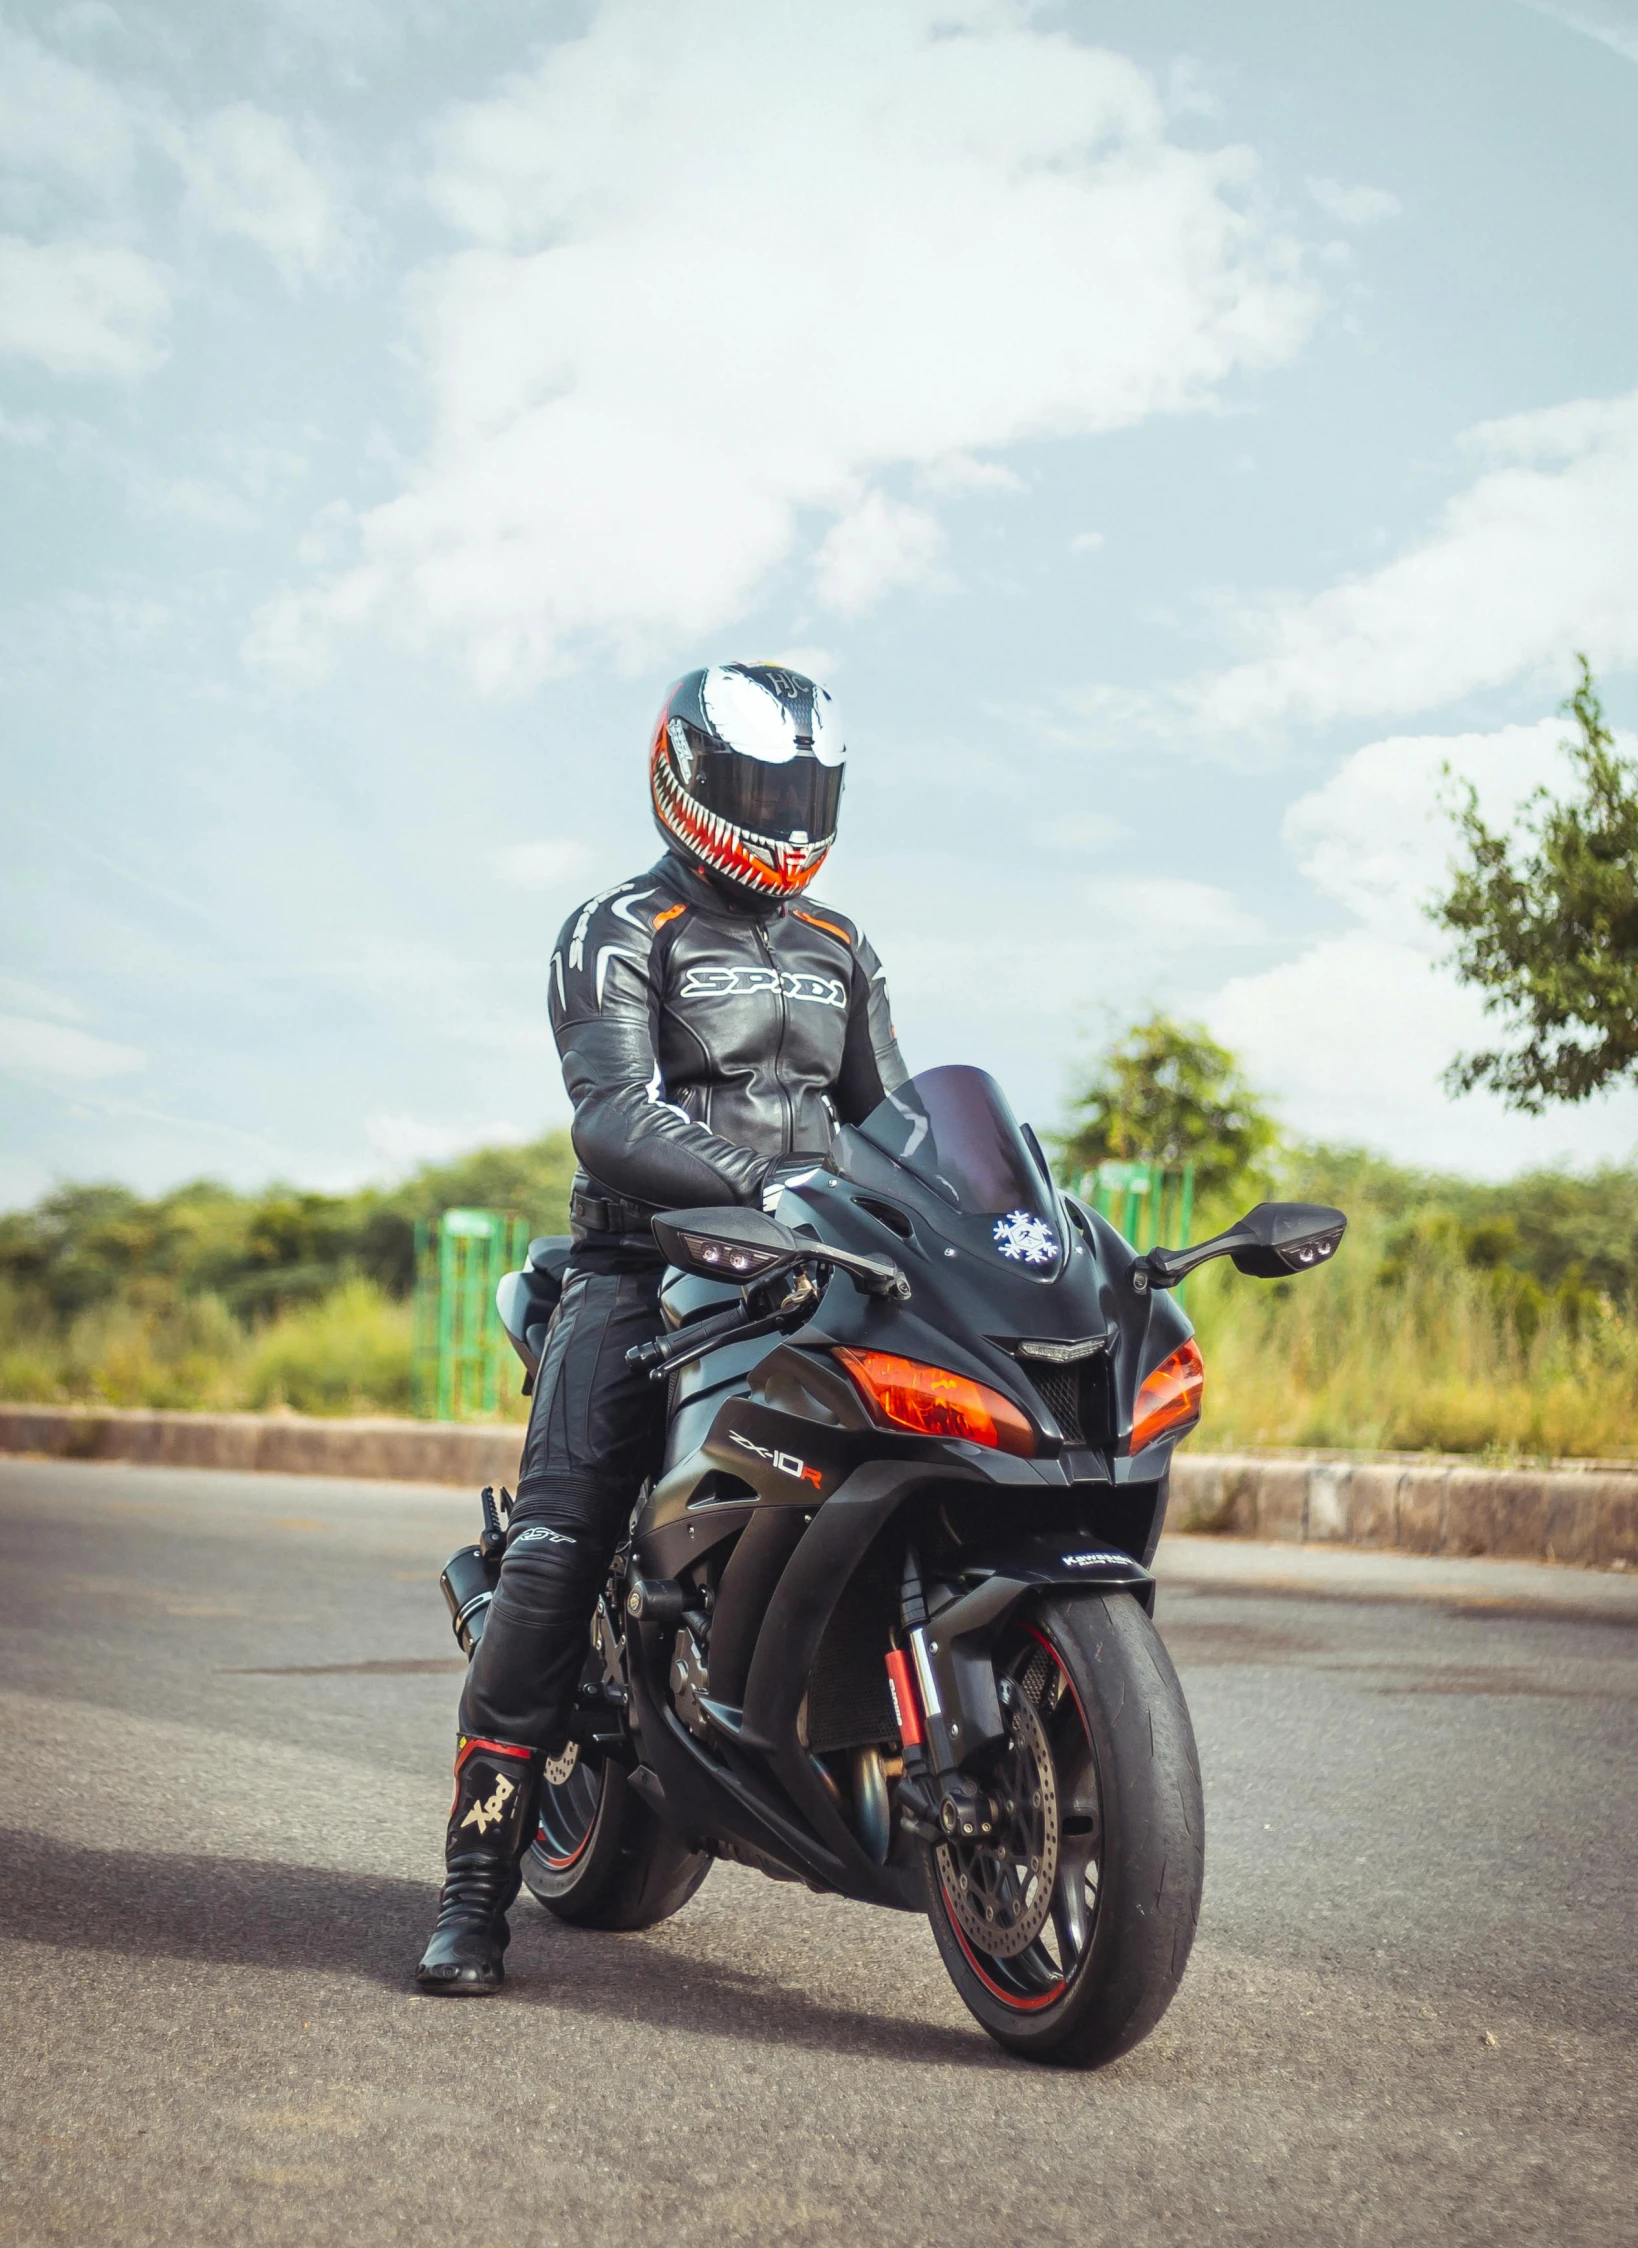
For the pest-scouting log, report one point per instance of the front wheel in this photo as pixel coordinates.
(1067, 1931)
(600, 1857)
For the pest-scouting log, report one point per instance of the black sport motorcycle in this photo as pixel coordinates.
(884, 1623)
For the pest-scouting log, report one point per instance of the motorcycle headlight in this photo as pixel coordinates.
(931, 1401)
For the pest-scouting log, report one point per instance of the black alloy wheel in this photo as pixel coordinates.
(600, 1857)
(1023, 1900)
(571, 1793)
(1067, 1928)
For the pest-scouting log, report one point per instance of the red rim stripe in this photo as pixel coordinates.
(1007, 1998)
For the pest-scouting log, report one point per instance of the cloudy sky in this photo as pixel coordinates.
(1176, 432)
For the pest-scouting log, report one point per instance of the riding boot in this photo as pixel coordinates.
(491, 1824)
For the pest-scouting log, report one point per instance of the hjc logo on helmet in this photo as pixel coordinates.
(746, 774)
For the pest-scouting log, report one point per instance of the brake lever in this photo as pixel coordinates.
(664, 1351)
(668, 1352)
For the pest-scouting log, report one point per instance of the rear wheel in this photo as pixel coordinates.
(1068, 1929)
(600, 1857)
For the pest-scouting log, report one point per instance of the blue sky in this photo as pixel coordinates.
(1176, 433)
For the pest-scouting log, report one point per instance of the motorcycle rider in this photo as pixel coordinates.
(715, 1027)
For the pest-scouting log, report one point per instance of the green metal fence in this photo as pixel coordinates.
(460, 1350)
(1151, 1203)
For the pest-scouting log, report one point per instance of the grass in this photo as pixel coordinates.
(1417, 1352)
(1404, 1344)
(349, 1352)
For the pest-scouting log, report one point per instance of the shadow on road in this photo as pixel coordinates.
(252, 1912)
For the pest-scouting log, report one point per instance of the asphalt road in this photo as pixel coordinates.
(227, 1712)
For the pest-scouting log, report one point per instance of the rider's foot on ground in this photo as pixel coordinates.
(462, 1962)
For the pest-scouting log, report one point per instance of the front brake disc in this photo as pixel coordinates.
(999, 1890)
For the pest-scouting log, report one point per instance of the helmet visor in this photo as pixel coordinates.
(792, 802)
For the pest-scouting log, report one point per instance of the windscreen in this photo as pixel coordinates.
(953, 1128)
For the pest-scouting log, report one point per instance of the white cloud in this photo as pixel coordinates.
(730, 261)
(1350, 1038)
(37, 1000)
(82, 308)
(60, 1055)
(1537, 557)
(1081, 831)
(200, 500)
(1086, 542)
(404, 1142)
(1621, 37)
(58, 122)
(294, 634)
(1377, 837)
(247, 176)
(1172, 915)
(878, 545)
(817, 663)
(1354, 206)
(536, 866)
(962, 472)
(1353, 1035)
(79, 306)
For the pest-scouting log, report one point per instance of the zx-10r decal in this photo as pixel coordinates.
(786, 1462)
(709, 980)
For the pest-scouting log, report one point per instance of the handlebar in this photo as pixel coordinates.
(667, 1351)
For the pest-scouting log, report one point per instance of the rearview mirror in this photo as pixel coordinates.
(726, 1243)
(1270, 1243)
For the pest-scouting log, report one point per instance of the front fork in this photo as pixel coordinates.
(949, 1712)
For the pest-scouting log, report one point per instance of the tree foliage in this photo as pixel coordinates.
(1549, 932)
(1167, 1093)
(84, 1248)
(1562, 1228)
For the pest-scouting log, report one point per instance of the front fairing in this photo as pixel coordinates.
(942, 1179)
(970, 1306)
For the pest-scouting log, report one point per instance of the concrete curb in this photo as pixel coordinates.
(1587, 1517)
(276, 1443)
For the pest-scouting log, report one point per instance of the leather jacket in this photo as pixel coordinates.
(704, 1039)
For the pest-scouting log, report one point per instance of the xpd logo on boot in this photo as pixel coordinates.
(484, 1815)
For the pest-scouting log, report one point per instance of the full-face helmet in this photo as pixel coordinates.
(746, 770)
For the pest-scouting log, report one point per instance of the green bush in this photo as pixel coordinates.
(349, 1353)
(1420, 1337)
(207, 1299)
(1458, 1317)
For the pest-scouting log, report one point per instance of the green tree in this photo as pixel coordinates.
(1167, 1093)
(1550, 935)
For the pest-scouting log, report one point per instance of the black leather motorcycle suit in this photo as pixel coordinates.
(708, 1040)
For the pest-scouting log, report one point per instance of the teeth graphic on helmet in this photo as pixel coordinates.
(746, 774)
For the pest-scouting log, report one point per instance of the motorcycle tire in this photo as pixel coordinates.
(600, 1858)
(1068, 1932)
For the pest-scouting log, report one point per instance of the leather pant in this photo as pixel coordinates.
(596, 1431)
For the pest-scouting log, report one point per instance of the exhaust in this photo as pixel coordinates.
(469, 1578)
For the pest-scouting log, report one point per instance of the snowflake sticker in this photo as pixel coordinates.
(1025, 1238)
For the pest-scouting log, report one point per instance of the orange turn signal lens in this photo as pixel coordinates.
(1170, 1396)
(932, 1402)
